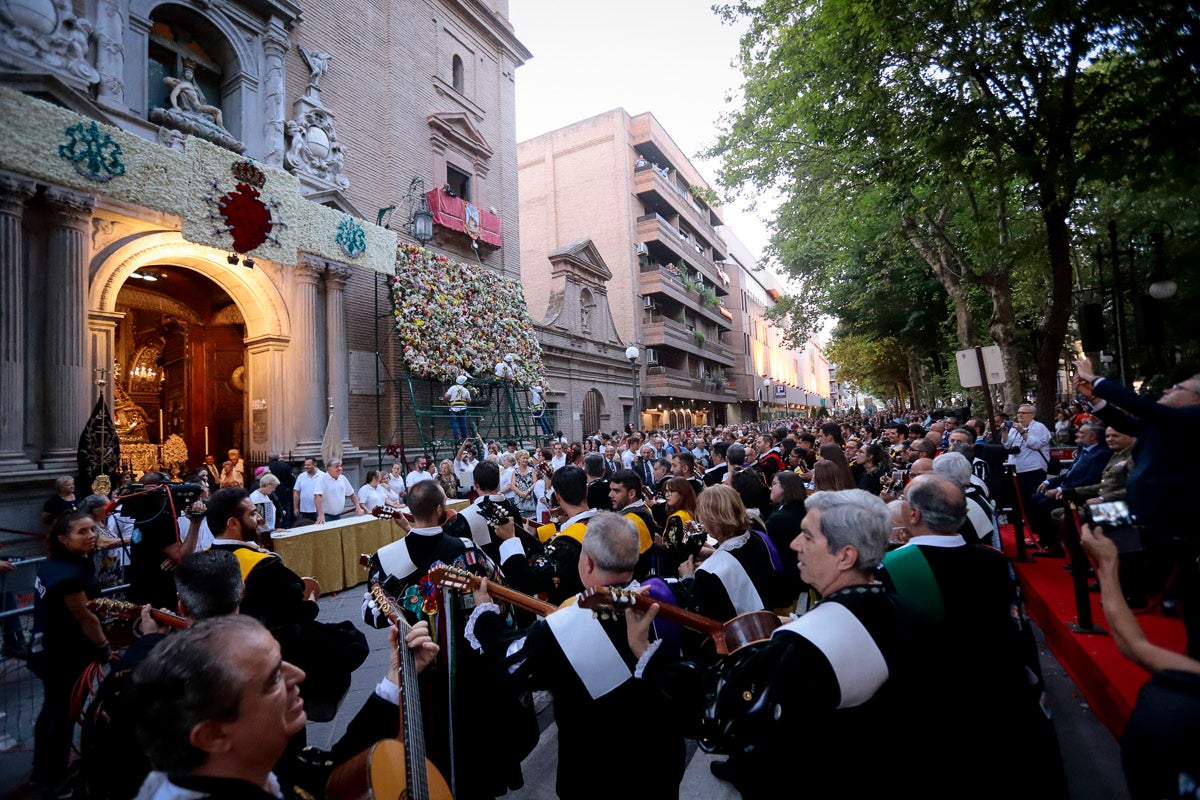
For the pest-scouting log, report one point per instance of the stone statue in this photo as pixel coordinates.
(190, 112)
(318, 65)
(49, 34)
(187, 97)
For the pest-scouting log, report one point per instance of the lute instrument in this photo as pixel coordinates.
(726, 637)
(461, 580)
(393, 768)
(118, 618)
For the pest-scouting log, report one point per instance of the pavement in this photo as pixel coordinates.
(1090, 753)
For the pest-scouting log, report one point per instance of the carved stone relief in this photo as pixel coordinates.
(190, 112)
(48, 32)
(313, 149)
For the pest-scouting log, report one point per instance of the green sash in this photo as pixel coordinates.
(914, 581)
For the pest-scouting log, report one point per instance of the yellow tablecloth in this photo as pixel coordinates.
(330, 552)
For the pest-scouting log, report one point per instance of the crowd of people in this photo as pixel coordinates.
(771, 590)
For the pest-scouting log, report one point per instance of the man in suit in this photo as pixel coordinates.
(1165, 470)
(1091, 456)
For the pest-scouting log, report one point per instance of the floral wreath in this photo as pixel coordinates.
(446, 323)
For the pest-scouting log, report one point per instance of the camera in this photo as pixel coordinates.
(143, 503)
(1117, 522)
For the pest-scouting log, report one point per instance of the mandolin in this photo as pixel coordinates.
(463, 581)
(393, 768)
(117, 617)
(726, 637)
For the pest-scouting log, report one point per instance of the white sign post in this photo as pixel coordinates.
(981, 366)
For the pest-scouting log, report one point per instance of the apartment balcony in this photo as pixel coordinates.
(649, 184)
(668, 382)
(658, 280)
(654, 228)
(665, 332)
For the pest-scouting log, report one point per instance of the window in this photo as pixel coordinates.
(458, 182)
(456, 74)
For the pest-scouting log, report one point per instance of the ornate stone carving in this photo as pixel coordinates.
(75, 206)
(190, 112)
(169, 137)
(313, 149)
(14, 191)
(47, 31)
(110, 52)
(275, 46)
(105, 232)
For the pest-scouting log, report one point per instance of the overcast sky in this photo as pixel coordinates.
(672, 58)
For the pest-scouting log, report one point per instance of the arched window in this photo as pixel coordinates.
(456, 74)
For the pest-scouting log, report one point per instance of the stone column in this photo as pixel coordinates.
(308, 350)
(102, 344)
(272, 414)
(337, 355)
(14, 191)
(68, 373)
(110, 53)
(275, 45)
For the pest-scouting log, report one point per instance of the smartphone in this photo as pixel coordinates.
(1113, 514)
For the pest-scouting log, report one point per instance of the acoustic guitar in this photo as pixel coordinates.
(726, 637)
(458, 578)
(393, 768)
(117, 617)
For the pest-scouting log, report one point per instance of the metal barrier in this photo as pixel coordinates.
(20, 689)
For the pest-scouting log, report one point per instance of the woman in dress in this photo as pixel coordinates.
(62, 501)
(876, 465)
(446, 478)
(66, 638)
(523, 478)
(508, 465)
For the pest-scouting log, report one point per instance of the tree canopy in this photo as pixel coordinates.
(955, 138)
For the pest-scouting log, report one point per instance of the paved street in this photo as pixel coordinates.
(1091, 754)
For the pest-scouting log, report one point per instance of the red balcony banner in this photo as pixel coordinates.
(458, 215)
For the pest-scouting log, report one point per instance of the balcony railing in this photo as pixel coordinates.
(675, 382)
(646, 179)
(655, 279)
(653, 227)
(658, 331)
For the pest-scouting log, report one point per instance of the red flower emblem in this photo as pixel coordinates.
(248, 217)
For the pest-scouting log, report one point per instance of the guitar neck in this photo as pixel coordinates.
(412, 729)
(522, 601)
(680, 616)
(127, 610)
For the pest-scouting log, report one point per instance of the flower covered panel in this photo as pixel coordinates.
(444, 317)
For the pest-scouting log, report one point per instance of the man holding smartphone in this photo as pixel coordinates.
(1028, 443)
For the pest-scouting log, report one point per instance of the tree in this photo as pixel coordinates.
(842, 93)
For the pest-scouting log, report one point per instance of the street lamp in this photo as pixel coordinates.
(632, 354)
(767, 397)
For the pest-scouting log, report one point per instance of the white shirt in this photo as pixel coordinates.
(535, 396)
(309, 486)
(416, 476)
(390, 487)
(465, 472)
(268, 508)
(336, 491)
(559, 461)
(1035, 447)
(459, 397)
(506, 479)
(372, 497)
(627, 457)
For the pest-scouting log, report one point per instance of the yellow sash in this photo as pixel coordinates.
(644, 537)
(249, 558)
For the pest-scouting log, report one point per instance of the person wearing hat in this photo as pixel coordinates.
(458, 396)
(504, 369)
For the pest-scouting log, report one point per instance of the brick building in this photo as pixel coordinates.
(622, 183)
(234, 304)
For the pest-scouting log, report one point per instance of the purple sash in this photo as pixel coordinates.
(776, 561)
(670, 633)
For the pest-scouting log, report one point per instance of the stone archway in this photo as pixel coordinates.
(254, 292)
(593, 404)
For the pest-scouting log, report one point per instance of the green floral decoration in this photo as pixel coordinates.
(455, 318)
(351, 237)
(93, 153)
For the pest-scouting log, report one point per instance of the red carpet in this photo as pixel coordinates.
(1108, 681)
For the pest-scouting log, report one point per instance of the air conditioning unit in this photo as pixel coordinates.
(651, 355)
(648, 303)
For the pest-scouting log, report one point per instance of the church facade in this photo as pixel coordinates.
(200, 208)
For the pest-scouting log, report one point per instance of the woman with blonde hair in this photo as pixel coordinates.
(740, 575)
(446, 478)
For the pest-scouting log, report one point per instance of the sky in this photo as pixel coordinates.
(672, 58)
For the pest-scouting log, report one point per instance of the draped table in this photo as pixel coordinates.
(330, 552)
